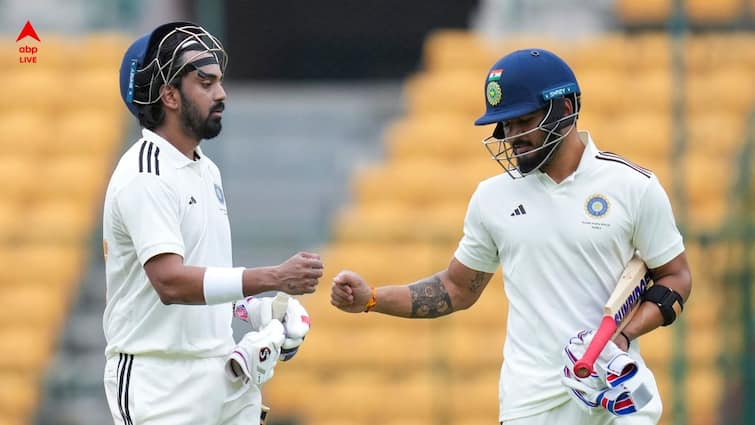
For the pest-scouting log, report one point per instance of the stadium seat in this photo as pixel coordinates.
(453, 49)
(18, 395)
(41, 90)
(643, 11)
(730, 88)
(26, 131)
(455, 91)
(442, 136)
(74, 178)
(94, 131)
(704, 391)
(714, 11)
(59, 220)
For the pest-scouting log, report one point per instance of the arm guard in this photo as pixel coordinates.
(668, 301)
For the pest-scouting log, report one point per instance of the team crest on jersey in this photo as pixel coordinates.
(597, 206)
(493, 93)
(219, 194)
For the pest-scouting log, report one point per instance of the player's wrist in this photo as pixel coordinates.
(372, 302)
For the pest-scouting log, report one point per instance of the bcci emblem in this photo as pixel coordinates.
(219, 194)
(597, 206)
(493, 93)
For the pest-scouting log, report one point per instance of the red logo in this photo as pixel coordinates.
(28, 53)
(27, 31)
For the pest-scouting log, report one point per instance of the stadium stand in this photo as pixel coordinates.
(60, 131)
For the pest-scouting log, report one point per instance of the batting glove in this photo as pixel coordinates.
(296, 323)
(611, 385)
(254, 358)
(258, 312)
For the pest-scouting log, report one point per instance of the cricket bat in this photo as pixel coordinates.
(618, 310)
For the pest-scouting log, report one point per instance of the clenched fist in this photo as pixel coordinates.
(350, 292)
(299, 274)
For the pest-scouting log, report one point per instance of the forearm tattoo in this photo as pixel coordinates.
(476, 282)
(430, 298)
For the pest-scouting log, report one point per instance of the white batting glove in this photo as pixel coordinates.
(258, 312)
(611, 385)
(296, 323)
(254, 358)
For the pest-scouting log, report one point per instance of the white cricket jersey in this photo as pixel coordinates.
(159, 201)
(562, 248)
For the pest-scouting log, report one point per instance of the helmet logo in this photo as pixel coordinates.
(597, 206)
(495, 74)
(493, 93)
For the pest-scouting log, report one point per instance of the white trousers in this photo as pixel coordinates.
(570, 413)
(147, 390)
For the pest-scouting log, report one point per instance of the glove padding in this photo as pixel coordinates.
(258, 312)
(254, 358)
(611, 385)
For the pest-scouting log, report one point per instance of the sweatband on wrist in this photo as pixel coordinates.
(223, 284)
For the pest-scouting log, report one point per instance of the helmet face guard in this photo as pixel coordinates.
(554, 124)
(521, 83)
(164, 56)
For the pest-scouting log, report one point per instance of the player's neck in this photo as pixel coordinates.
(176, 136)
(566, 158)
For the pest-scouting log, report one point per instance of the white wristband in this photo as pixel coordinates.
(223, 284)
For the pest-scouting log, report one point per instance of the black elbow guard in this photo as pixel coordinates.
(668, 301)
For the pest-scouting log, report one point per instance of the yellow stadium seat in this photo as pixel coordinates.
(640, 136)
(470, 349)
(707, 186)
(474, 395)
(20, 174)
(422, 182)
(600, 54)
(713, 11)
(25, 348)
(446, 50)
(109, 47)
(52, 264)
(42, 90)
(33, 305)
(74, 178)
(90, 131)
(656, 346)
(704, 391)
(717, 133)
(59, 220)
(26, 132)
(643, 11)
(18, 394)
(95, 89)
(444, 136)
(460, 92)
(730, 89)
(703, 346)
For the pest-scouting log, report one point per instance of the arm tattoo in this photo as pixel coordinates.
(430, 298)
(476, 282)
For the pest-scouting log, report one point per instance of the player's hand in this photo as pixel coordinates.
(260, 311)
(613, 386)
(254, 358)
(299, 274)
(350, 292)
(296, 324)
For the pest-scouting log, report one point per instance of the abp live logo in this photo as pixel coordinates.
(27, 53)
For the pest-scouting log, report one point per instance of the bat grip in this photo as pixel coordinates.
(584, 367)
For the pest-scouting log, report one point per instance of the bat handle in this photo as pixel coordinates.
(584, 367)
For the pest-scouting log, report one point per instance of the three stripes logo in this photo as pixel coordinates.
(149, 158)
(519, 210)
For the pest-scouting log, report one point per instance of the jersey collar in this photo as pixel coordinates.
(173, 155)
(588, 156)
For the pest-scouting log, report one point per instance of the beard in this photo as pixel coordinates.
(536, 159)
(197, 126)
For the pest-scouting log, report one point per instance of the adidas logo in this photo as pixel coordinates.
(519, 210)
(192, 201)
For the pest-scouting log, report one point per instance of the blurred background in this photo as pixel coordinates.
(349, 132)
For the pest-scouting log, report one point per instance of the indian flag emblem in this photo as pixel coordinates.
(495, 75)
(493, 93)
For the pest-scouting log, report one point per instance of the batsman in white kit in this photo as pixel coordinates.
(563, 221)
(172, 290)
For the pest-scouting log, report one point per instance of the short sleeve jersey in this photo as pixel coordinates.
(160, 201)
(562, 248)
